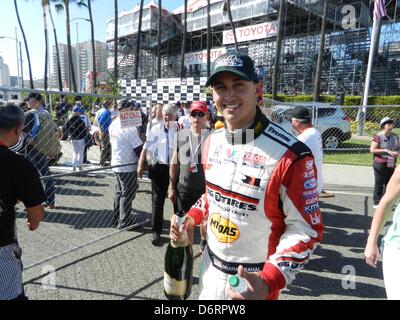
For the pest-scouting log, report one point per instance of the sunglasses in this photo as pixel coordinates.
(197, 114)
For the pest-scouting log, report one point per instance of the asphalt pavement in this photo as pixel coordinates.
(126, 266)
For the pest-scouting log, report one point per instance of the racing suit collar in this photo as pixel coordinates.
(243, 136)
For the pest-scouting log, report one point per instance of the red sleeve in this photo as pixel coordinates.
(199, 210)
(296, 219)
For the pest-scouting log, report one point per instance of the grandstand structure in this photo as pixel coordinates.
(345, 59)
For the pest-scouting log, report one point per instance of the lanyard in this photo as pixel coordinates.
(192, 154)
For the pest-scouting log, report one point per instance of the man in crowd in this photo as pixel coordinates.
(186, 175)
(42, 142)
(126, 147)
(261, 199)
(157, 152)
(301, 123)
(19, 182)
(156, 117)
(103, 120)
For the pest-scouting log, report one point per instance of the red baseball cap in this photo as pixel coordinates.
(199, 106)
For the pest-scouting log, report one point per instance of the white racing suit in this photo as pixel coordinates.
(261, 206)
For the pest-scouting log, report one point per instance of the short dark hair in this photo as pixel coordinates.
(11, 116)
(36, 96)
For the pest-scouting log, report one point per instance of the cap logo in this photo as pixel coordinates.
(230, 61)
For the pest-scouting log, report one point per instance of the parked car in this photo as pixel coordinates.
(329, 119)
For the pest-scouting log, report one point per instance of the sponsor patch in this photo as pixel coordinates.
(310, 183)
(225, 230)
(231, 155)
(217, 151)
(312, 200)
(311, 208)
(310, 193)
(254, 182)
(309, 164)
(309, 174)
(290, 265)
(230, 61)
(252, 158)
(236, 203)
(279, 134)
(315, 218)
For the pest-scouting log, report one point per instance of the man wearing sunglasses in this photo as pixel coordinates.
(261, 199)
(186, 175)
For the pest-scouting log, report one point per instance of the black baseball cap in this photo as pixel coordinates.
(35, 95)
(301, 113)
(124, 104)
(234, 62)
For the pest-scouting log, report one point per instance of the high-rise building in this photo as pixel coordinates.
(66, 78)
(4, 73)
(85, 61)
(82, 66)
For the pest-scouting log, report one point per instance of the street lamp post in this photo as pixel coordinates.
(16, 48)
(78, 52)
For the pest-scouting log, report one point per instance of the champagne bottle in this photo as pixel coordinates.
(178, 266)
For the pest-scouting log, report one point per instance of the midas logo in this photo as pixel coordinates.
(225, 230)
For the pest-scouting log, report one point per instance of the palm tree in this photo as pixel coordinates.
(227, 9)
(59, 76)
(25, 43)
(159, 39)
(60, 6)
(46, 41)
(89, 6)
(116, 39)
(183, 51)
(138, 39)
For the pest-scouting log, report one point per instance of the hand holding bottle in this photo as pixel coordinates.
(177, 232)
(257, 289)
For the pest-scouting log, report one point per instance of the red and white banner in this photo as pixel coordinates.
(200, 57)
(254, 32)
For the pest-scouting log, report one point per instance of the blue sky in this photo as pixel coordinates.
(31, 16)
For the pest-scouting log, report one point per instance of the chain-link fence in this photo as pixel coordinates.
(347, 132)
(84, 191)
(87, 198)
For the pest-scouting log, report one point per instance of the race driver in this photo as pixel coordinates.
(261, 199)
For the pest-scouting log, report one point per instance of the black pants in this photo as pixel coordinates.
(382, 176)
(159, 175)
(187, 197)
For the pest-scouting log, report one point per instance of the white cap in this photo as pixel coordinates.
(384, 121)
